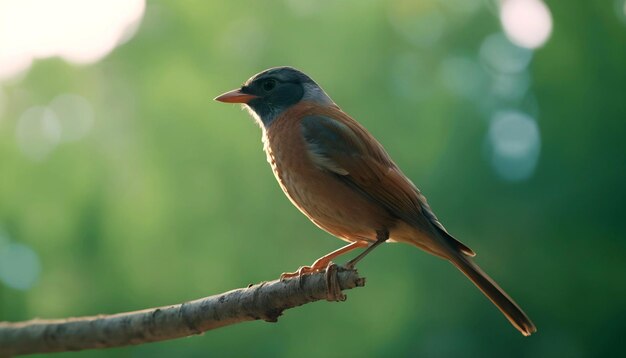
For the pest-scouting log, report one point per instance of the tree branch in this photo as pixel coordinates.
(266, 301)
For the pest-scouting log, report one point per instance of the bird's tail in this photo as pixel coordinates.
(490, 288)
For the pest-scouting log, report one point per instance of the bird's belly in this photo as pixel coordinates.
(329, 203)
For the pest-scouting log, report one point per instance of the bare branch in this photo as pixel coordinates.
(264, 301)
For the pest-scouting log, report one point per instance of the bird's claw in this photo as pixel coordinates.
(303, 270)
(333, 289)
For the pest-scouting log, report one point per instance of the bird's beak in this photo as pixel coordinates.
(235, 96)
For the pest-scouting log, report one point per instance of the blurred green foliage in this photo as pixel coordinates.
(169, 197)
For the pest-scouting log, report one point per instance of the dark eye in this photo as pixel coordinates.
(269, 84)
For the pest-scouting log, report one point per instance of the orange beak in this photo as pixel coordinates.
(235, 96)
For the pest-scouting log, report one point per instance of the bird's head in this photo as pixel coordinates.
(269, 93)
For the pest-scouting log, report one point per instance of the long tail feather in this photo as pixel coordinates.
(490, 288)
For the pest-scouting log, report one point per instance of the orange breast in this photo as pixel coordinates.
(329, 203)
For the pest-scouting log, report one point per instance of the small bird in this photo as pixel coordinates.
(338, 175)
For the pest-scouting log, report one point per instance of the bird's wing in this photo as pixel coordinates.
(346, 149)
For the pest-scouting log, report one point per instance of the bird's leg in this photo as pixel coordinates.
(321, 263)
(381, 236)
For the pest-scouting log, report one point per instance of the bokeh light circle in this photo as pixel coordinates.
(19, 266)
(528, 23)
(74, 114)
(500, 55)
(515, 144)
(38, 131)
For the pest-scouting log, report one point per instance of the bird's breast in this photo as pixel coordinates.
(328, 202)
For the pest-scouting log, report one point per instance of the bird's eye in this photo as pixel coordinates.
(269, 85)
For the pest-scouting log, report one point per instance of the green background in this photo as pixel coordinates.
(169, 198)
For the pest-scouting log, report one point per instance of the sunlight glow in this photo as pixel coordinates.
(78, 31)
(527, 23)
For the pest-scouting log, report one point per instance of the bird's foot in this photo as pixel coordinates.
(303, 270)
(318, 266)
(333, 289)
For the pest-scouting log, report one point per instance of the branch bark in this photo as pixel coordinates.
(266, 301)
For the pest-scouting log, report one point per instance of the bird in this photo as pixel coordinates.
(339, 176)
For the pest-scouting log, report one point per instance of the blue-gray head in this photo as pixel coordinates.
(272, 91)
